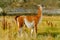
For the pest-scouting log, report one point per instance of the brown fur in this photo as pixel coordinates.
(30, 19)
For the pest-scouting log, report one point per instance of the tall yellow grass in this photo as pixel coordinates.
(49, 24)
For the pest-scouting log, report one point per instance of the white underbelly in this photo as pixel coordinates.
(29, 24)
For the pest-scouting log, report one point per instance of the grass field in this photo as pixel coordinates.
(48, 29)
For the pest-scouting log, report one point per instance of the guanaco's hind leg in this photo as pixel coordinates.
(20, 23)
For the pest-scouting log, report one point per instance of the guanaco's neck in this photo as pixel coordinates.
(39, 10)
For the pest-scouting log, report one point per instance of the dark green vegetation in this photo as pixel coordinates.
(46, 3)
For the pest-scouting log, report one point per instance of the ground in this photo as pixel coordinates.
(48, 29)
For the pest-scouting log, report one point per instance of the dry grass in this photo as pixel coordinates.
(49, 29)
